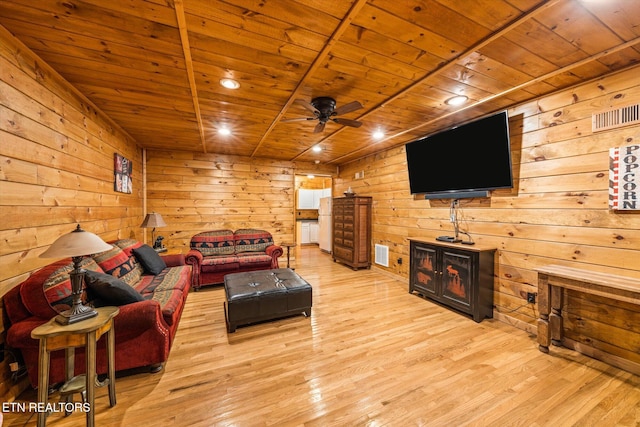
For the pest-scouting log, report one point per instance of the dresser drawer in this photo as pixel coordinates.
(344, 253)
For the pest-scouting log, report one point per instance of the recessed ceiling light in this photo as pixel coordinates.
(229, 83)
(317, 148)
(456, 100)
(378, 134)
(224, 131)
(311, 176)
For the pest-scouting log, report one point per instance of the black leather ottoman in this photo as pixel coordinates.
(256, 296)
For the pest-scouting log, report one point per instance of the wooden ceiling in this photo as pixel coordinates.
(154, 66)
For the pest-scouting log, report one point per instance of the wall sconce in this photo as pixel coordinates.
(153, 220)
(76, 245)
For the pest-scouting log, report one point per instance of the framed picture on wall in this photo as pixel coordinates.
(122, 169)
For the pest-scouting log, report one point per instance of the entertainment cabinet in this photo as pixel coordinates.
(458, 277)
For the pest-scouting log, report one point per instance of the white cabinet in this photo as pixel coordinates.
(310, 199)
(309, 232)
(314, 232)
(305, 199)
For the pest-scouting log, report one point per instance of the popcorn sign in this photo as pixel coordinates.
(624, 178)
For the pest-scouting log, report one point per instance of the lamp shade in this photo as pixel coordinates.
(153, 220)
(74, 244)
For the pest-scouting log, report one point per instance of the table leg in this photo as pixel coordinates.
(90, 356)
(43, 381)
(544, 307)
(288, 250)
(69, 354)
(111, 344)
(555, 319)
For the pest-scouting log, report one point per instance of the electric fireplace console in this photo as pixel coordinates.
(459, 278)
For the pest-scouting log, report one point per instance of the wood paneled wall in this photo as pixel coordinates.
(56, 154)
(557, 212)
(199, 192)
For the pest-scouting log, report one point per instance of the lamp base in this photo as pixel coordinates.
(76, 314)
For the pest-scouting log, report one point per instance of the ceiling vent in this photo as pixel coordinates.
(616, 118)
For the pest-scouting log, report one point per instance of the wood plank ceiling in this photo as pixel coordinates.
(154, 66)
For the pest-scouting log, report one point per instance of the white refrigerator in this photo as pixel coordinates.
(324, 224)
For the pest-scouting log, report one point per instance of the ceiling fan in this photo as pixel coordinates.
(324, 109)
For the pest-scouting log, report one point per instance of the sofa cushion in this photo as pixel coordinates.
(150, 260)
(214, 243)
(120, 265)
(57, 287)
(250, 240)
(168, 279)
(254, 259)
(219, 263)
(105, 289)
(127, 246)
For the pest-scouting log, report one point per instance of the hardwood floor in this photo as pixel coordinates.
(371, 354)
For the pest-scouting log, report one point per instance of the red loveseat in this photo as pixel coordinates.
(144, 330)
(215, 254)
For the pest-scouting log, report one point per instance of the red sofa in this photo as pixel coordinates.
(144, 330)
(217, 253)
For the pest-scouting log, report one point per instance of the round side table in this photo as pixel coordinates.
(289, 245)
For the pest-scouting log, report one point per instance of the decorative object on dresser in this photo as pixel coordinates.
(216, 253)
(153, 220)
(76, 245)
(351, 218)
(460, 278)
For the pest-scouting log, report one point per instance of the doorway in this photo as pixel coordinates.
(309, 190)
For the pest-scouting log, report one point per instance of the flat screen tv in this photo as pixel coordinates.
(465, 161)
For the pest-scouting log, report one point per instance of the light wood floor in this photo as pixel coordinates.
(370, 355)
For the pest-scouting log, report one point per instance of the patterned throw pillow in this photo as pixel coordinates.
(57, 287)
(218, 242)
(250, 240)
(116, 263)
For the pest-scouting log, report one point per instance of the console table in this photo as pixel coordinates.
(551, 281)
(54, 336)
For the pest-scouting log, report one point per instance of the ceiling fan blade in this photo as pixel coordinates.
(319, 127)
(347, 108)
(307, 105)
(298, 119)
(348, 122)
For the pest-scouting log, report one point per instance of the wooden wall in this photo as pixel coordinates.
(556, 214)
(198, 192)
(56, 154)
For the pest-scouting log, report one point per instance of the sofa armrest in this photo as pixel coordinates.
(19, 334)
(174, 260)
(194, 259)
(274, 251)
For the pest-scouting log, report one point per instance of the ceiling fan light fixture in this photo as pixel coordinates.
(456, 100)
(229, 83)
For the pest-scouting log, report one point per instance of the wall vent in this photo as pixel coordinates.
(382, 255)
(359, 175)
(615, 118)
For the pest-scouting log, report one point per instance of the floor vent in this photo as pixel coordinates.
(615, 118)
(382, 255)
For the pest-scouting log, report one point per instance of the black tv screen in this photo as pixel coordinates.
(462, 161)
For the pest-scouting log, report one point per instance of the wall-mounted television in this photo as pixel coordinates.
(465, 161)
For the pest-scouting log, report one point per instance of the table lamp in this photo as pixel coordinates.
(153, 220)
(76, 245)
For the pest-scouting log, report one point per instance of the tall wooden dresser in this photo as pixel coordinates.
(352, 231)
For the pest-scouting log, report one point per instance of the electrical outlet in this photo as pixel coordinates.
(531, 297)
(399, 261)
